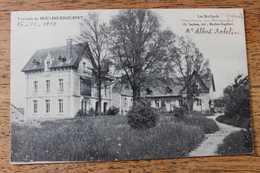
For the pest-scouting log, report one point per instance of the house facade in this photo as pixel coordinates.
(59, 84)
(171, 96)
(122, 99)
(168, 97)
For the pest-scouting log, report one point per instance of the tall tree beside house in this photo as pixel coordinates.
(237, 100)
(139, 47)
(185, 61)
(93, 36)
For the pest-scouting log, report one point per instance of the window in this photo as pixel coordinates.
(157, 103)
(84, 106)
(48, 86)
(35, 88)
(85, 87)
(47, 68)
(168, 90)
(125, 102)
(196, 87)
(48, 106)
(198, 102)
(35, 106)
(181, 103)
(84, 67)
(48, 64)
(148, 91)
(105, 90)
(60, 85)
(163, 104)
(60, 105)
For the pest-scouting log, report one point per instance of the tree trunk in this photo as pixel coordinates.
(136, 93)
(99, 96)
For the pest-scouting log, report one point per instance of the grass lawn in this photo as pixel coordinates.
(207, 125)
(103, 138)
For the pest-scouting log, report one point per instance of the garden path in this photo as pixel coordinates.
(211, 141)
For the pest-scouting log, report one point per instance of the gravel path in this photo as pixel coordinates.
(210, 144)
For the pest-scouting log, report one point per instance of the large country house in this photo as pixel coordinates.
(59, 84)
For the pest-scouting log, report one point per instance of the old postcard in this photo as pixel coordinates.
(109, 85)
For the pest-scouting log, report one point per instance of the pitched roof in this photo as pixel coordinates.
(213, 83)
(206, 84)
(126, 92)
(171, 88)
(166, 91)
(21, 110)
(36, 62)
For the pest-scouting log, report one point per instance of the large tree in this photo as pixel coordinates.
(93, 36)
(139, 47)
(184, 61)
(236, 97)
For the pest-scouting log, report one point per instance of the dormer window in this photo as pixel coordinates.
(62, 58)
(48, 61)
(168, 90)
(197, 86)
(37, 61)
(48, 64)
(148, 91)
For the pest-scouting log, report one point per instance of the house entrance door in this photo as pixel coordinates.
(105, 107)
(96, 106)
(84, 106)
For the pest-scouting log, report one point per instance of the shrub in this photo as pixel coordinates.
(200, 113)
(179, 112)
(79, 113)
(234, 121)
(237, 143)
(112, 110)
(92, 112)
(142, 115)
(236, 97)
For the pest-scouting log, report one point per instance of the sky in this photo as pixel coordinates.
(226, 51)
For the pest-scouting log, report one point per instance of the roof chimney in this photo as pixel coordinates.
(68, 49)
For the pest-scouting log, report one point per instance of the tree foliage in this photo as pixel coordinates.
(139, 47)
(236, 97)
(185, 59)
(94, 38)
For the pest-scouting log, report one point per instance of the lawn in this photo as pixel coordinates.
(102, 138)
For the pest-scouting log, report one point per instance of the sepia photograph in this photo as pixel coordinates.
(131, 84)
